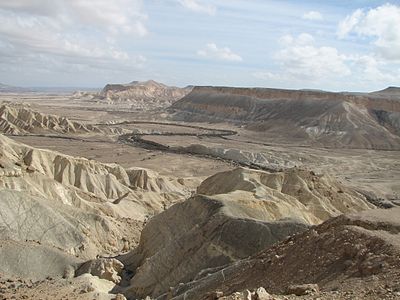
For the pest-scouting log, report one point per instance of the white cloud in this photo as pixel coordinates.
(117, 16)
(373, 69)
(75, 32)
(313, 16)
(197, 6)
(301, 40)
(212, 51)
(269, 76)
(348, 24)
(381, 23)
(303, 63)
(38, 7)
(301, 58)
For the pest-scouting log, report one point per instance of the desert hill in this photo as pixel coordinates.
(392, 91)
(235, 215)
(72, 209)
(312, 117)
(147, 93)
(351, 256)
(19, 119)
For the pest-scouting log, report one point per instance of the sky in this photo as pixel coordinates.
(332, 45)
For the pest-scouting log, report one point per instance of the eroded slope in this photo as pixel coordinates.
(351, 256)
(81, 207)
(245, 211)
(20, 119)
(314, 117)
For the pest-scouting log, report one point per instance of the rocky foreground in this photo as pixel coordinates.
(348, 257)
(71, 228)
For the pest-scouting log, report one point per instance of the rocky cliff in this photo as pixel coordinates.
(149, 93)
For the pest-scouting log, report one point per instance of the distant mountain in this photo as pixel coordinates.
(147, 93)
(392, 91)
(4, 88)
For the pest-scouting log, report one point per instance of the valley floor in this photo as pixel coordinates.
(377, 171)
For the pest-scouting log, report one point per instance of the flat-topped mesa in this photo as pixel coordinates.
(355, 120)
(368, 99)
(391, 92)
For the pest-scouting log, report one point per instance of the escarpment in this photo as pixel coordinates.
(314, 117)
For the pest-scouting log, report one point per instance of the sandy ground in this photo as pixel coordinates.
(129, 156)
(374, 170)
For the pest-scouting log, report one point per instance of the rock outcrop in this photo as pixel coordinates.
(293, 193)
(145, 95)
(199, 234)
(244, 157)
(235, 215)
(17, 119)
(354, 254)
(104, 268)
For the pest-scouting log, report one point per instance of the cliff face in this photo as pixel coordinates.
(148, 91)
(333, 119)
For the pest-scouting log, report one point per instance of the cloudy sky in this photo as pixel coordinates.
(333, 45)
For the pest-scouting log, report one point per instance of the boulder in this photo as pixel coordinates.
(104, 268)
(303, 289)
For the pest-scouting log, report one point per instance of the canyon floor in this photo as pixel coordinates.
(195, 189)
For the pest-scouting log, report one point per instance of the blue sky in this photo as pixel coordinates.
(331, 45)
